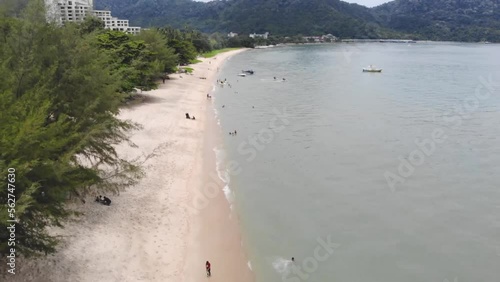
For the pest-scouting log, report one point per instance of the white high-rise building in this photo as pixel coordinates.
(114, 23)
(62, 11)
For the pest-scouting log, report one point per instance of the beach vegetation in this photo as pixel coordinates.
(187, 69)
(184, 49)
(139, 60)
(60, 93)
(61, 88)
(214, 53)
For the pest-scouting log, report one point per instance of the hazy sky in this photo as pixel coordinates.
(368, 3)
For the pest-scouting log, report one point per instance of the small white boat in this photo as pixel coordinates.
(242, 74)
(371, 69)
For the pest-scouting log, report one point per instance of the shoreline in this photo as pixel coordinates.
(151, 232)
(216, 234)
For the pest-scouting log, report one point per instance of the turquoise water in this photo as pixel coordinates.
(399, 170)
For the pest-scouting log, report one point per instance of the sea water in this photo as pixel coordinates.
(365, 177)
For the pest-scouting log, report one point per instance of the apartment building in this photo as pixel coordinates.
(114, 23)
(255, 35)
(62, 11)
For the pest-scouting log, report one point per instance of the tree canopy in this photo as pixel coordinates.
(61, 88)
(459, 20)
(59, 99)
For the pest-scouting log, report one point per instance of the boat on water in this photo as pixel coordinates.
(248, 71)
(242, 74)
(371, 69)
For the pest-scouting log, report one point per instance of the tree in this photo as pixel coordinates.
(138, 60)
(157, 44)
(185, 50)
(58, 126)
(218, 40)
(91, 24)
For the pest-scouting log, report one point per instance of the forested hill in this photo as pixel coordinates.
(460, 20)
(283, 17)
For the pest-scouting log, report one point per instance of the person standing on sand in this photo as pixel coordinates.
(208, 268)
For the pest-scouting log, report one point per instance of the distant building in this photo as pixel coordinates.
(329, 37)
(232, 34)
(61, 11)
(255, 35)
(321, 39)
(316, 39)
(114, 23)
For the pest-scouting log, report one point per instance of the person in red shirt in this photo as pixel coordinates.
(207, 266)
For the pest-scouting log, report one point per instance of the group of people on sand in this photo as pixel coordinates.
(189, 117)
(103, 200)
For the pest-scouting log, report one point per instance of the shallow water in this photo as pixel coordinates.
(333, 154)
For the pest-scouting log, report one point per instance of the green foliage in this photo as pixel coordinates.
(184, 49)
(157, 43)
(138, 60)
(91, 24)
(281, 17)
(187, 43)
(241, 41)
(187, 69)
(217, 40)
(58, 103)
(214, 53)
(464, 20)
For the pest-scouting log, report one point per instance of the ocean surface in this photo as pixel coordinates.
(365, 177)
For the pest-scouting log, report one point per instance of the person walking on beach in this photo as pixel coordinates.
(208, 268)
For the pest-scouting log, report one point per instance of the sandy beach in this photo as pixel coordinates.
(167, 226)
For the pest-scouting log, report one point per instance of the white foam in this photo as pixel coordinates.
(223, 173)
(216, 114)
(282, 266)
(249, 264)
(228, 193)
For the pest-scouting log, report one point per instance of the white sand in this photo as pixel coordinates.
(148, 234)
